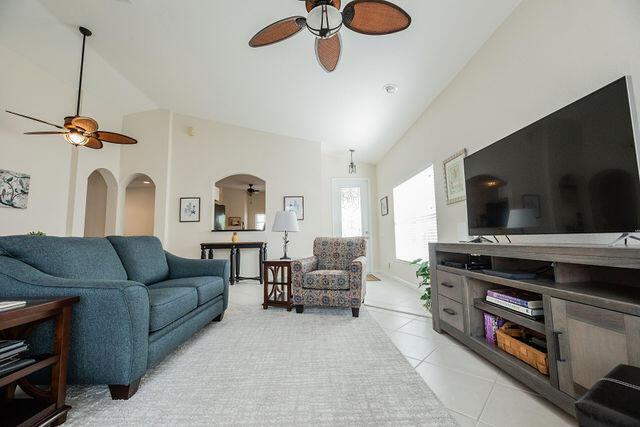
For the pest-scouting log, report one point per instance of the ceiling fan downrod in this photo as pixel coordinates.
(85, 33)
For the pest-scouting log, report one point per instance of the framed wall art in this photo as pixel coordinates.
(295, 204)
(190, 209)
(454, 179)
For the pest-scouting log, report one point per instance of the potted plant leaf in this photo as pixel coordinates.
(424, 275)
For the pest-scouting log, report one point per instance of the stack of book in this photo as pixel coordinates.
(523, 302)
(10, 356)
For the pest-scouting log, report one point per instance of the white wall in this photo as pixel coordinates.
(39, 59)
(546, 55)
(288, 165)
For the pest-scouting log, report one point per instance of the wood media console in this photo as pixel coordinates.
(591, 302)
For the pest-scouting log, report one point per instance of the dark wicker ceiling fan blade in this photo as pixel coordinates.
(328, 52)
(312, 3)
(87, 124)
(33, 118)
(375, 17)
(94, 143)
(115, 138)
(45, 133)
(278, 31)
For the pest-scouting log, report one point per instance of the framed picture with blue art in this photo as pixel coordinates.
(190, 209)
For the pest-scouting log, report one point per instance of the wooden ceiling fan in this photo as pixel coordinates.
(370, 17)
(81, 131)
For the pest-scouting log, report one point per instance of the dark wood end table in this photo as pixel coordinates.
(277, 284)
(46, 406)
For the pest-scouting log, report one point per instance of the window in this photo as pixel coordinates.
(414, 210)
(261, 220)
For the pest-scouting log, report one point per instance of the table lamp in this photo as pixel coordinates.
(285, 222)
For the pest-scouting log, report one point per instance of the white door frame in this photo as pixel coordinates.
(334, 219)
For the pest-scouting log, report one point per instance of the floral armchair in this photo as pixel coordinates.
(335, 276)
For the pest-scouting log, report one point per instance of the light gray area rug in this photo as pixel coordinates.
(271, 367)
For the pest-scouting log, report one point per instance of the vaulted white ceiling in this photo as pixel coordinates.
(192, 56)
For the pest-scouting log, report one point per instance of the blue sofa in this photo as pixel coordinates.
(137, 302)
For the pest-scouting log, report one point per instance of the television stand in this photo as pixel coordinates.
(482, 239)
(591, 307)
(623, 238)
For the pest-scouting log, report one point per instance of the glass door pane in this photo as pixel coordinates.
(351, 211)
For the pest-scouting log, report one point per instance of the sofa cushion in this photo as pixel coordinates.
(326, 280)
(142, 257)
(208, 287)
(66, 257)
(337, 253)
(169, 304)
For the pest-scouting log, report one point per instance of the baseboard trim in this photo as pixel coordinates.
(400, 280)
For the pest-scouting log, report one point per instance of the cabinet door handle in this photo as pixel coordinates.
(447, 285)
(556, 337)
(449, 311)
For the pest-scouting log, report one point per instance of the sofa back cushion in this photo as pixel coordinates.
(66, 257)
(337, 253)
(142, 257)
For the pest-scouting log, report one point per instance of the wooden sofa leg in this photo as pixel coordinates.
(299, 308)
(355, 311)
(219, 318)
(123, 392)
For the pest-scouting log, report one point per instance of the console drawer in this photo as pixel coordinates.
(450, 285)
(451, 312)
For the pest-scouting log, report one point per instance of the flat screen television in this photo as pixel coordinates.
(574, 171)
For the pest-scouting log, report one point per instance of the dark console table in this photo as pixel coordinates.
(46, 406)
(206, 252)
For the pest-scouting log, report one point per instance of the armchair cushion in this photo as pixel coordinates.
(337, 253)
(170, 304)
(207, 287)
(66, 257)
(142, 257)
(326, 279)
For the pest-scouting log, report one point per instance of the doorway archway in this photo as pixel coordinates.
(101, 204)
(139, 206)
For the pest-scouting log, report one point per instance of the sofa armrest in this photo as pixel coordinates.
(358, 280)
(185, 267)
(110, 323)
(300, 267)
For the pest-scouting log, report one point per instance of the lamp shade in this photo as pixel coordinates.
(285, 221)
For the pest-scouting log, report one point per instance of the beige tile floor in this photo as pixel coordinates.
(475, 391)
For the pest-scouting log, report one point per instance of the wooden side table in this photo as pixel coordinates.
(277, 284)
(46, 406)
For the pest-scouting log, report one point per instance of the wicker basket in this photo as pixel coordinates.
(507, 340)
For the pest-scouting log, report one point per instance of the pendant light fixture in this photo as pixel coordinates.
(353, 169)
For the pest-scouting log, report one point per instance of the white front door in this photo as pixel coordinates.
(351, 215)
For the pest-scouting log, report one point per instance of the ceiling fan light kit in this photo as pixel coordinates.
(324, 21)
(80, 131)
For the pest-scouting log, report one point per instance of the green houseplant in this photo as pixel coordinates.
(424, 275)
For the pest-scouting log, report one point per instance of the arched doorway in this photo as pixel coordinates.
(101, 204)
(139, 206)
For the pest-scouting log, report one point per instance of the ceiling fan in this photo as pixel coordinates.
(251, 191)
(370, 17)
(81, 131)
